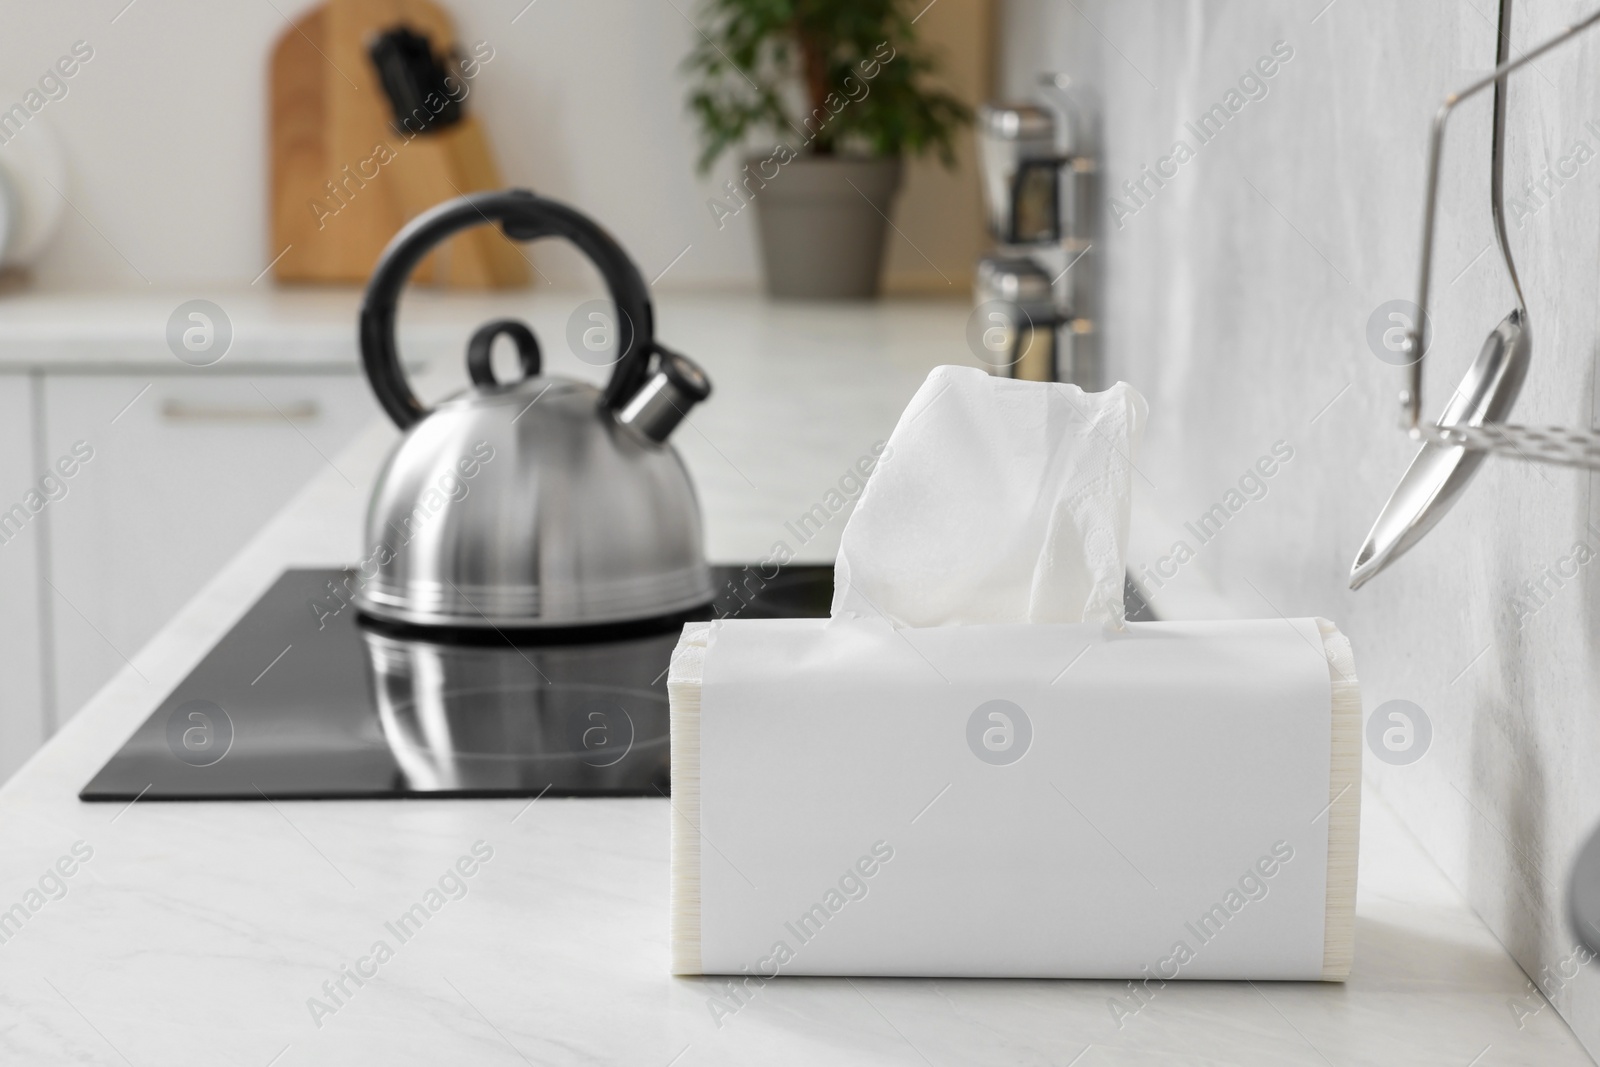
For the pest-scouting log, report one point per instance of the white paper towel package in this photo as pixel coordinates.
(977, 768)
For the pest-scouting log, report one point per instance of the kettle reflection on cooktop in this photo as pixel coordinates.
(462, 718)
(298, 703)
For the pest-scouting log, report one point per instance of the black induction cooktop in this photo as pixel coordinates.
(296, 703)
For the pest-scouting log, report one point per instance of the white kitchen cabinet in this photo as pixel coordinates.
(184, 469)
(22, 727)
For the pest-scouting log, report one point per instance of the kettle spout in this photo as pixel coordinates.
(675, 385)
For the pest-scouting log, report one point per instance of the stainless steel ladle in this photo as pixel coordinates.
(1439, 474)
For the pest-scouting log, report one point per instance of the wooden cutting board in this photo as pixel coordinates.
(343, 181)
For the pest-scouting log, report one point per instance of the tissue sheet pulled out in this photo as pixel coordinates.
(996, 501)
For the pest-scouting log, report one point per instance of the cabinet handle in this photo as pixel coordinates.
(180, 411)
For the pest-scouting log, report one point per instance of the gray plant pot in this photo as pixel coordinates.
(823, 221)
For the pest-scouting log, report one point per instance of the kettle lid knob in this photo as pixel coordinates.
(480, 350)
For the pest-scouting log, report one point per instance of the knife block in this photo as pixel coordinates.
(1189, 783)
(334, 203)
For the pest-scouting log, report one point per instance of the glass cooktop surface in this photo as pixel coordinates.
(298, 703)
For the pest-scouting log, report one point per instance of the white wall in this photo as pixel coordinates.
(164, 130)
(1238, 301)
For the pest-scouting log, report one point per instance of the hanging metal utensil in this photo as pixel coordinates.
(1439, 474)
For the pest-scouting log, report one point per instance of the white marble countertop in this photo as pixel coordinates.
(123, 330)
(315, 327)
(197, 932)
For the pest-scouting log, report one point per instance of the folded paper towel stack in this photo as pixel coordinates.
(976, 767)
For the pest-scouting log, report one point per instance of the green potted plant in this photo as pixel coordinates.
(840, 85)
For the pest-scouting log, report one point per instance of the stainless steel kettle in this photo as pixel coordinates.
(542, 502)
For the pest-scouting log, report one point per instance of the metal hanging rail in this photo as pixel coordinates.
(1542, 444)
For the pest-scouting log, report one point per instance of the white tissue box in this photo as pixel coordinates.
(1177, 800)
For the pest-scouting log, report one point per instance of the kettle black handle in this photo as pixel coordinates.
(522, 216)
